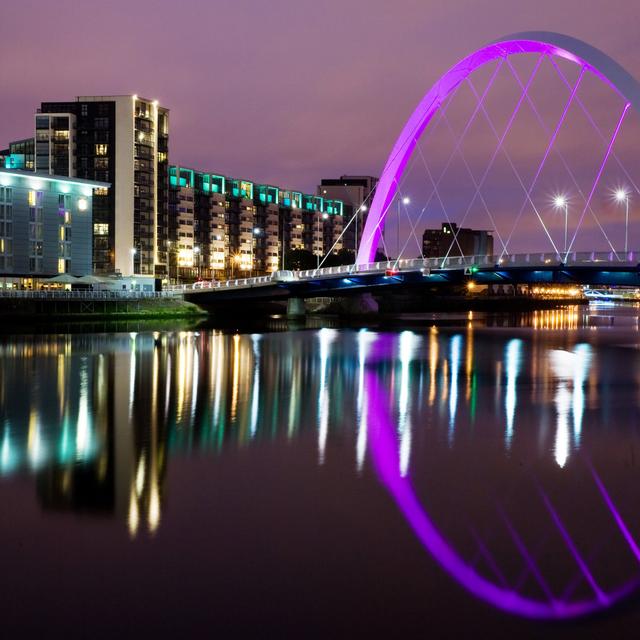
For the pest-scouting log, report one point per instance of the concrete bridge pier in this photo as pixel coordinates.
(296, 308)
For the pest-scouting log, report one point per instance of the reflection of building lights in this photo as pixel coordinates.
(326, 337)
(406, 349)
(455, 350)
(133, 518)
(580, 375)
(433, 363)
(364, 339)
(153, 517)
(140, 475)
(512, 366)
(255, 391)
(563, 403)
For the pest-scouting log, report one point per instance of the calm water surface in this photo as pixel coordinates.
(455, 477)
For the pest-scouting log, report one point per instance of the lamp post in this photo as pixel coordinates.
(322, 217)
(254, 246)
(405, 202)
(236, 260)
(133, 261)
(623, 196)
(561, 202)
(363, 208)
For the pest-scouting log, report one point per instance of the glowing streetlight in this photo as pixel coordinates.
(405, 201)
(561, 202)
(363, 208)
(623, 196)
(237, 258)
(324, 216)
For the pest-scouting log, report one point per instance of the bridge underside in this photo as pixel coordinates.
(377, 283)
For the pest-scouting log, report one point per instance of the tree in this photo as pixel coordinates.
(299, 260)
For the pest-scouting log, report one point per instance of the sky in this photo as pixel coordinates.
(284, 91)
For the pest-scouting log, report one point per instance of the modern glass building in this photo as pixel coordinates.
(46, 227)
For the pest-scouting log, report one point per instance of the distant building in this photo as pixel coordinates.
(45, 227)
(122, 140)
(221, 226)
(357, 194)
(20, 155)
(450, 240)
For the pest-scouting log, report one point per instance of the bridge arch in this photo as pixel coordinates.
(545, 43)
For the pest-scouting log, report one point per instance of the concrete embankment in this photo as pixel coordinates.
(86, 309)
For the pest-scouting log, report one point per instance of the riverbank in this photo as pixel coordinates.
(32, 308)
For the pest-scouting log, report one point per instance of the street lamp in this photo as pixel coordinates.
(133, 264)
(362, 209)
(324, 216)
(561, 202)
(254, 247)
(236, 260)
(405, 202)
(623, 196)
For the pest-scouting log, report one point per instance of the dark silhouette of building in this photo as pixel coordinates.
(452, 240)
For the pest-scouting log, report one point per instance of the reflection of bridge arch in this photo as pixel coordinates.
(385, 448)
(543, 43)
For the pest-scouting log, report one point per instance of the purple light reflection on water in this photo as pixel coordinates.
(384, 449)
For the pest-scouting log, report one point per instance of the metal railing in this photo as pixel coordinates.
(84, 295)
(580, 258)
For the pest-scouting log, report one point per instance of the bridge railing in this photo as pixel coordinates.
(604, 258)
(84, 295)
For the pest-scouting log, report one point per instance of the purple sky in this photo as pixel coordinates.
(285, 91)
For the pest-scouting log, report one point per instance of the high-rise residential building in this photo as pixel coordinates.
(45, 227)
(122, 140)
(357, 194)
(220, 226)
(451, 240)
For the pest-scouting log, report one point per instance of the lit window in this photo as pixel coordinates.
(102, 149)
(67, 217)
(32, 198)
(61, 265)
(83, 204)
(101, 229)
(101, 191)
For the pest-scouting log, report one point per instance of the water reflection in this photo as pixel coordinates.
(105, 413)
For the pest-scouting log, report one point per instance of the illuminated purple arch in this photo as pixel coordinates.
(553, 44)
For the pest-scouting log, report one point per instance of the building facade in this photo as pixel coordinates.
(45, 227)
(220, 227)
(123, 140)
(357, 193)
(450, 240)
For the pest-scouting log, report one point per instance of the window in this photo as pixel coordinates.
(101, 149)
(31, 198)
(84, 110)
(101, 229)
(100, 191)
(61, 265)
(101, 163)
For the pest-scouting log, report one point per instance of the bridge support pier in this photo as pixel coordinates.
(296, 308)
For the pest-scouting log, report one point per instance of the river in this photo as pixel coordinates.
(444, 476)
